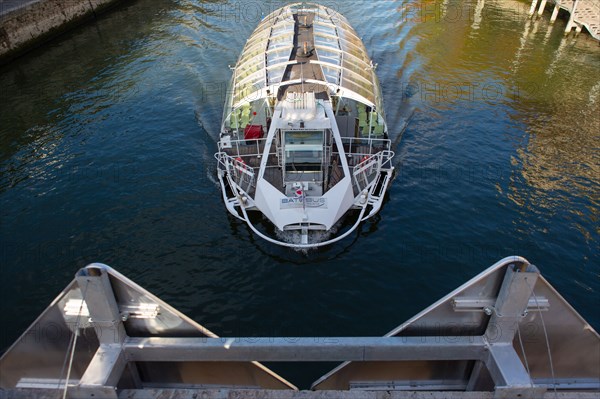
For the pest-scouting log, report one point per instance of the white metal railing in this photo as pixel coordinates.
(246, 147)
(239, 172)
(359, 146)
(365, 173)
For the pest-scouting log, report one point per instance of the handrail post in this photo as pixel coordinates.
(572, 17)
(555, 12)
(532, 8)
(542, 7)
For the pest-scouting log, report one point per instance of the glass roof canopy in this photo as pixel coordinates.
(341, 54)
(265, 56)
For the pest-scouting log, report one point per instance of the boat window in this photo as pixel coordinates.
(304, 137)
(328, 55)
(326, 41)
(279, 56)
(276, 74)
(328, 30)
(303, 153)
(297, 155)
(332, 59)
(331, 74)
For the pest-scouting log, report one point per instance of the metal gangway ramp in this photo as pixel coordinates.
(504, 334)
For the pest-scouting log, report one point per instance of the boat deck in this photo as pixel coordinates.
(303, 70)
(250, 152)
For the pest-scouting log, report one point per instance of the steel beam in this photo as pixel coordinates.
(466, 304)
(475, 376)
(509, 375)
(305, 349)
(102, 374)
(511, 303)
(106, 367)
(101, 304)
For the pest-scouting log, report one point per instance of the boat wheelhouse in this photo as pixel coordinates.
(304, 140)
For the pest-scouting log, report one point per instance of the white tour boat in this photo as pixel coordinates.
(304, 141)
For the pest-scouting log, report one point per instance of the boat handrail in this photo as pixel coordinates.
(362, 142)
(365, 172)
(239, 172)
(305, 246)
(259, 144)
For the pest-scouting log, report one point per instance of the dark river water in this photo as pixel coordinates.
(106, 155)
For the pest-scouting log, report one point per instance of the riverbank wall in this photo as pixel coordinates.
(27, 24)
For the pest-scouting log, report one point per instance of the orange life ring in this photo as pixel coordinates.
(364, 159)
